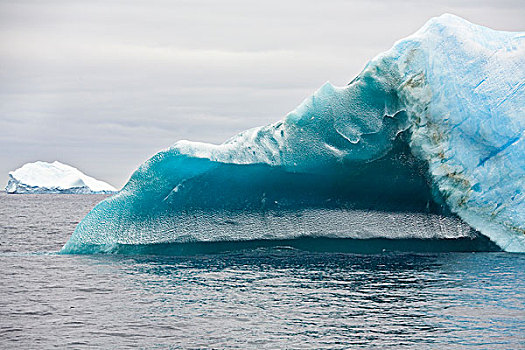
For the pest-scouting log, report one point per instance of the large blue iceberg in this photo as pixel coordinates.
(427, 142)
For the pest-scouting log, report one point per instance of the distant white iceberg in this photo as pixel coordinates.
(56, 177)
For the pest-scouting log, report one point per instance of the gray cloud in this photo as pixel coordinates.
(103, 85)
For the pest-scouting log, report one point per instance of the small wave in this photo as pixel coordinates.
(332, 245)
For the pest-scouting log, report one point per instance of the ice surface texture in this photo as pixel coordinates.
(434, 125)
(43, 177)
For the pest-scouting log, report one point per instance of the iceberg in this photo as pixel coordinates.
(425, 143)
(42, 177)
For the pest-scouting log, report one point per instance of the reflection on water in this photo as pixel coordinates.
(265, 298)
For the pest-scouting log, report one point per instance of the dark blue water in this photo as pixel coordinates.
(248, 297)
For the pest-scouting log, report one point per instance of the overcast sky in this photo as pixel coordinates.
(103, 85)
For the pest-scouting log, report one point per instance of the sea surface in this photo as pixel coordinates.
(247, 298)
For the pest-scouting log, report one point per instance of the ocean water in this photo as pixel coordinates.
(248, 296)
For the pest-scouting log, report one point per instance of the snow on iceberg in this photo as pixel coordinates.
(43, 177)
(433, 126)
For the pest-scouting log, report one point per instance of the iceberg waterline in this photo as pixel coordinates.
(433, 126)
(56, 177)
